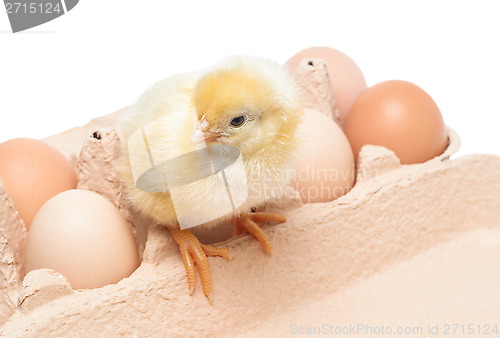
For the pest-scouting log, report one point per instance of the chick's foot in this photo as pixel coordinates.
(192, 251)
(252, 222)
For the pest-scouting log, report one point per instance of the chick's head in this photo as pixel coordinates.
(249, 103)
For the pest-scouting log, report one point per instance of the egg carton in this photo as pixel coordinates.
(409, 245)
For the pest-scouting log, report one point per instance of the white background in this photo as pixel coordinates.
(103, 54)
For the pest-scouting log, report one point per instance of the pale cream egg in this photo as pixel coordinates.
(84, 237)
(325, 169)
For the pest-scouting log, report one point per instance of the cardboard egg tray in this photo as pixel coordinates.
(410, 246)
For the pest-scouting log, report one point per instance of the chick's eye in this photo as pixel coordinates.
(238, 121)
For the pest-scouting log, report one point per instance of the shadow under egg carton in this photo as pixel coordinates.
(387, 232)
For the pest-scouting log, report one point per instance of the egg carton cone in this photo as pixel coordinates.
(409, 247)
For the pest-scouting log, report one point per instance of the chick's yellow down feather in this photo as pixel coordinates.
(250, 103)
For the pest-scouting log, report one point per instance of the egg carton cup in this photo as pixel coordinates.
(408, 245)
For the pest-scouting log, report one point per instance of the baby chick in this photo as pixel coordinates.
(247, 102)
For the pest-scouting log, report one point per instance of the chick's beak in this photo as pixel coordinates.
(202, 133)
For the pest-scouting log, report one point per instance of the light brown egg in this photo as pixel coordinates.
(32, 172)
(84, 237)
(345, 76)
(400, 116)
(325, 169)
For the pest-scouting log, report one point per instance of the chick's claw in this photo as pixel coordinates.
(252, 222)
(193, 252)
(254, 229)
(214, 251)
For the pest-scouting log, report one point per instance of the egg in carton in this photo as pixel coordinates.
(412, 244)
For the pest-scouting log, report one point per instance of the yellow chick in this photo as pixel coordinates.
(245, 102)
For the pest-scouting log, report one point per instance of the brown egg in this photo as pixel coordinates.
(325, 169)
(345, 76)
(84, 237)
(400, 116)
(32, 172)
